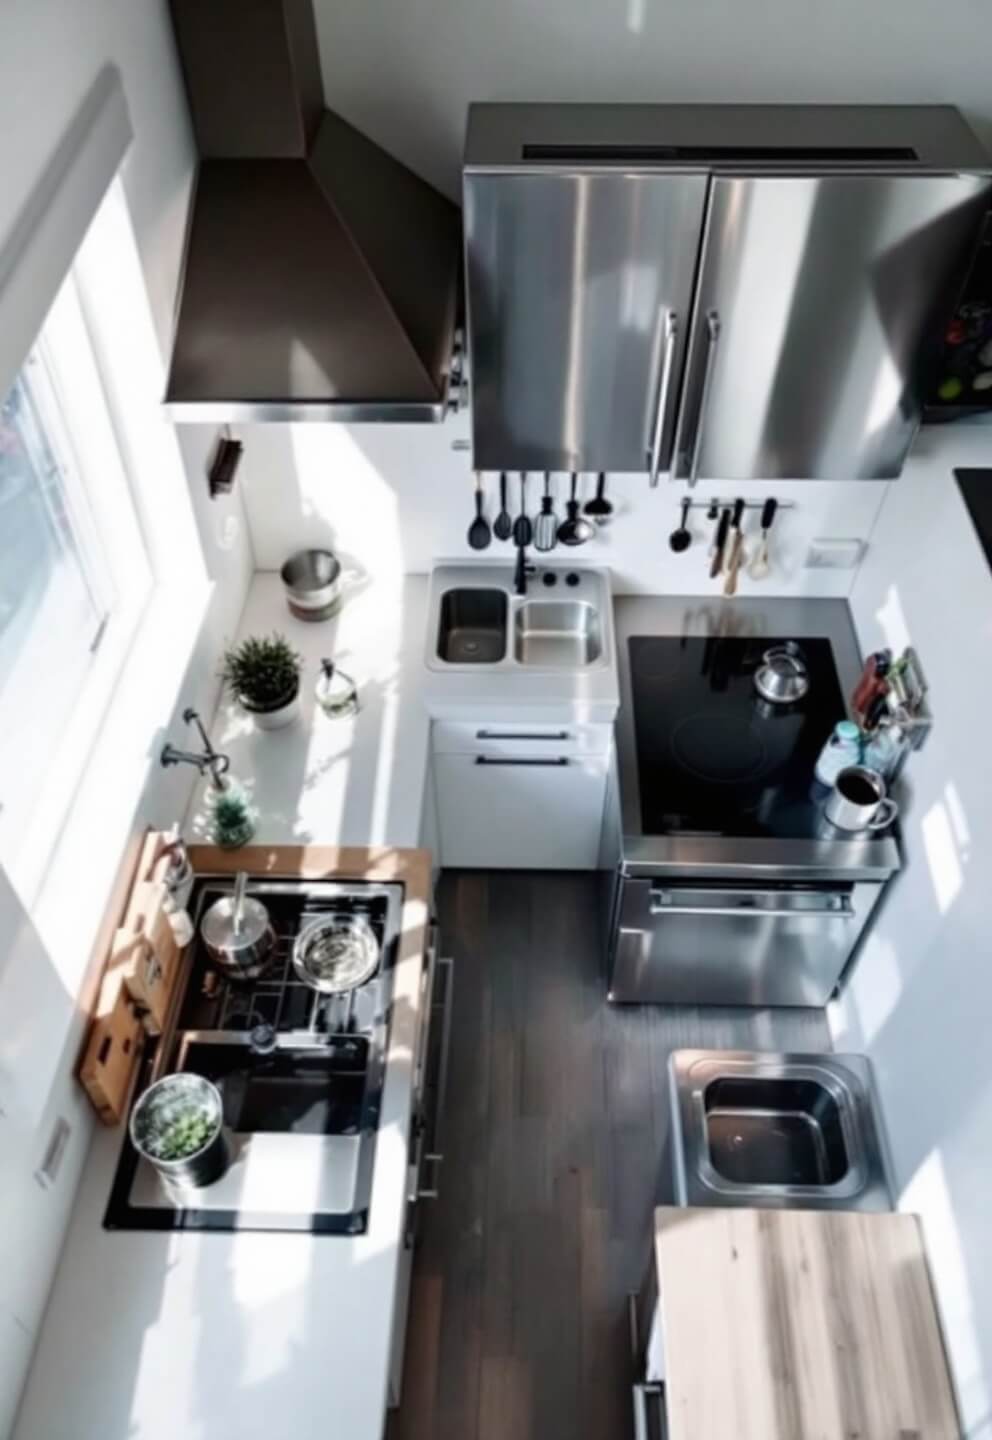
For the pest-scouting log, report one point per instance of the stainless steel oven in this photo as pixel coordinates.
(746, 943)
(728, 884)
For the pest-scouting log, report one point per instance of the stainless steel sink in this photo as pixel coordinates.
(775, 1130)
(472, 627)
(557, 634)
(562, 624)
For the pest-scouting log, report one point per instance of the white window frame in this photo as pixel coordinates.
(76, 418)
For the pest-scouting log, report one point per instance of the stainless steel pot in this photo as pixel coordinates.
(176, 1125)
(858, 800)
(312, 579)
(237, 933)
(782, 677)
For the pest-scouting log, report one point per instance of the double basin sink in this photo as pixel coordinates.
(776, 1131)
(557, 625)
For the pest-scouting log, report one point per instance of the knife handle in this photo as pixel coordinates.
(723, 526)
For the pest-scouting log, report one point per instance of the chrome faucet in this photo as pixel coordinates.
(207, 759)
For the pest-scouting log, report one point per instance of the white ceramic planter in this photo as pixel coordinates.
(275, 719)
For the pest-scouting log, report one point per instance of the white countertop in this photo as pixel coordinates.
(353, 781)
(253, 1336)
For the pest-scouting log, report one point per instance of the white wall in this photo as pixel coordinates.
(406, 73)
(387, 497)
(920, 1001)
(50, 53)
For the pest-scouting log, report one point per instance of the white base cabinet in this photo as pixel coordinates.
(522, 798)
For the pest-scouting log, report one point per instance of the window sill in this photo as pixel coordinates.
(123, 787)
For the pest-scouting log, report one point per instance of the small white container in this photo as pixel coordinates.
(841, 750)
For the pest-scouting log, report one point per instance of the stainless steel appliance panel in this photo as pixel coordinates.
(815, 300)
(720, 945)
(579, 292)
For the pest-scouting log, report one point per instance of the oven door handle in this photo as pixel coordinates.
(837, 908)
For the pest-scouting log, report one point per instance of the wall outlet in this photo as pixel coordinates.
(834, 554)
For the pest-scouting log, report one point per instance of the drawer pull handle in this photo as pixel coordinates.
(558, 761)
(522, 735)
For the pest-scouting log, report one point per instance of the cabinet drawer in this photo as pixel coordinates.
(496, 737)
(521, 812)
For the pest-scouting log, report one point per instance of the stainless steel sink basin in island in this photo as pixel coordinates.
(775, 1130)
(562, 624)
(557, 634)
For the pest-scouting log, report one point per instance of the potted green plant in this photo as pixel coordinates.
(231, 821)
(263, 675)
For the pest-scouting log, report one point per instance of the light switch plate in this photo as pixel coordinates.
(834, 554)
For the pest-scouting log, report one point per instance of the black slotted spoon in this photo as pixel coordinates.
(478, 531)
(503, 527)
(523, 530)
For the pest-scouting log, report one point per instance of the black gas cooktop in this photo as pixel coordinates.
(713, 758)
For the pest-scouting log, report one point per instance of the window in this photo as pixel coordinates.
(73, 578)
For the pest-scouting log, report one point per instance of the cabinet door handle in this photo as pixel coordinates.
(649, 1412)
(558, 761)
(664, 389)
(712, 339)
(522, 735)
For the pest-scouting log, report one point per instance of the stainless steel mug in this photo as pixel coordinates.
(859, 801)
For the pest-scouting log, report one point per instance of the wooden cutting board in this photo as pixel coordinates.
(137, 987)
(800, 1325)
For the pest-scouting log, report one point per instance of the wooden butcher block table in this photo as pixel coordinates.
(799, 1325)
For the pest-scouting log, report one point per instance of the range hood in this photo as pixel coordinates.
(320, 279)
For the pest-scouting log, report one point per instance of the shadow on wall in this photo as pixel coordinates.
(919, 1000)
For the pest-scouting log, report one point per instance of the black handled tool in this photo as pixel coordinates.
(722, 529)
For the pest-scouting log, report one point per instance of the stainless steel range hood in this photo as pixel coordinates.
(321, 276)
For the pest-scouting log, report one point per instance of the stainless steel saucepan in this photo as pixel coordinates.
(238, 934)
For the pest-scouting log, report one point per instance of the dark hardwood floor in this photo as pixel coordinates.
(554, 1137)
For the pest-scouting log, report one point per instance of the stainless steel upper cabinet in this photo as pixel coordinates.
(579, 291)
(816, 301)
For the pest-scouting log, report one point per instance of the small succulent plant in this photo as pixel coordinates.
(263, 672)
(231, 820)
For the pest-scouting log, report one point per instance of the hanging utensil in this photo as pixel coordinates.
(237, 933)
(523, 530)
(737, 556)
(761, 564)
(575, 529)
(479, 534)
(681, 538)
(599, 508)
(503, 528)
(546, 525)
(722, 527)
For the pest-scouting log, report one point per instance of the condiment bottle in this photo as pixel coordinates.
(842, 749)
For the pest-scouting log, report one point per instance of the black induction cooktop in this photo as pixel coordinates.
(713, 758)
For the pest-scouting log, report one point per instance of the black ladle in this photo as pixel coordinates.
(599, 508)
(478, 532)
(523, 530)
(575, 529)
(503, 527)
(681, 538)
